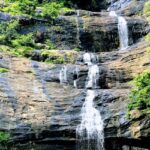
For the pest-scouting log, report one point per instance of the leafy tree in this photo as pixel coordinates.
(140, 94)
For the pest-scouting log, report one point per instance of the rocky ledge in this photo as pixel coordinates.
(71, 31)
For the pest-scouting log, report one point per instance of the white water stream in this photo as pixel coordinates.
(63, 75)
(122, 29)
(90, 132)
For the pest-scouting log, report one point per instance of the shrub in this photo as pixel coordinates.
(77, 49)
(20, 7)
(57, 57)
(19, 44)
(23, 40)
(22, 50)
(8, 30)
(4, 138)
(140, 94)
(3, 70)
(148, 37)
(50, 44)
(51, 10)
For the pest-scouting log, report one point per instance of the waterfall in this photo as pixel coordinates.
(77, 74)
(113, 14)
(78, 13)
(63, 75)
(90, 58)
(122, 29)
(123, 32)
(93, 76)
(90, 132)
(78, 30)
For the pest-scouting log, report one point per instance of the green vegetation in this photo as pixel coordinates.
(8, 31)
(4, 138)
(36, 8)
(147, 10)
(20, 44)
(140, 94)
(15, 7)
(23, 44)
(49, 44)
(77, 49)
(53, 9)
(3, 70)
(55, 57)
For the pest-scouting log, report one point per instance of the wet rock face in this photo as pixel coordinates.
(43, 111)
(36, 107)
(96, 32)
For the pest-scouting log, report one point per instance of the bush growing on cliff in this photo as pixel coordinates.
(51, 10)
(4, 138)
(9, 36)
(55, 57)
(8, 31)
(3, 70)
(20, 7)
(23, 40)
(140, 94)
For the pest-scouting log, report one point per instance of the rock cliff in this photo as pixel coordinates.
(41, 113)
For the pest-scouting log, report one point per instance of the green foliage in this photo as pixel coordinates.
(5, 48)
(3, 70)
(148, 51)
(8, 30)
(53, 57)
(147, 10)
(49, 44)
(56, 57)
(23, 40)
(77, 49)
(148, 37)
(20, 7)
(22, 50)
(140, 94)
(49, 9)
(17, 51)
(4, 137)
(21, 44)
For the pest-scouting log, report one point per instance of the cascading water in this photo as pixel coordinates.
(63, 75)
(77, 75)
(113, 14)
(122, 29)
(90, 132)
(93, 77)
(78, 30)
(90, 58)
(123, 32)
